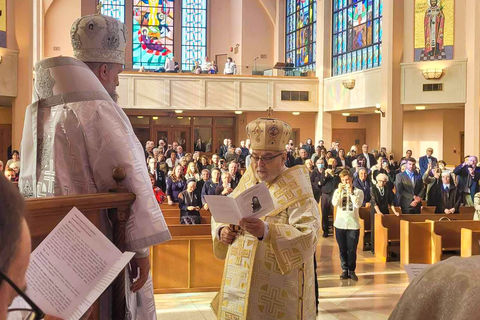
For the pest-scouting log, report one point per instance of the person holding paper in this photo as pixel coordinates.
(79, 134)
(269, 271)
(15, 247)
(190, 204)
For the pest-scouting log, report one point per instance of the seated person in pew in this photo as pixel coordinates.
(446, 290)
(15, 250)
(159, 194)
(348, 200)
(444, 195)
(382, 200)
(476, 205)
(190, 204)
(211, 185)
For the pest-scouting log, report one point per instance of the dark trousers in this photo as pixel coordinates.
(347, 243)
(326, 204)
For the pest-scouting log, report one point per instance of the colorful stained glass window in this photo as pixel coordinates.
(152, 33)
(356, 35)
(114, 8)
(194, 32)
(300, 39)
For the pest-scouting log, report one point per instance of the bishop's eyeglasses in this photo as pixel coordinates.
(257, 158)
(28, 310)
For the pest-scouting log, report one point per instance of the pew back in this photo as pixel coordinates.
(470, 242)
(446, 236)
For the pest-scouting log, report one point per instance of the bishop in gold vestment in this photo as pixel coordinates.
(271, 278)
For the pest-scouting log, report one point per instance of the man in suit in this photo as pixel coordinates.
(361, 182)
(425, 160)
(370, 158)
(468, 176)
(445, 194)
(223, 148)
(410, 189)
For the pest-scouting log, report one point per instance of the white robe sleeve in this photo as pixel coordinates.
(111, 143)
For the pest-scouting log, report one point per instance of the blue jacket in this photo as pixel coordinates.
(423, 163)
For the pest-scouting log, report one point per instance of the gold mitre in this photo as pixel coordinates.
(268, 134)
(98, 38)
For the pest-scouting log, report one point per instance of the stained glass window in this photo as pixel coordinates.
(152, 33)
(301, 33)
(114, 8)
(356, 35)
(194, 32)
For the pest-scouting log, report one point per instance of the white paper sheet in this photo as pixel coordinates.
(254, 202)
(72, 267)
(414, 269)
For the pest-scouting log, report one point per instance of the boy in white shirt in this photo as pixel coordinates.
(347, 200)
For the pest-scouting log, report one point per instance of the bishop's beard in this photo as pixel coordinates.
(114, 96)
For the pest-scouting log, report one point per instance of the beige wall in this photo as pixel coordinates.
(439, 129)
(305, 122)
(453, 125)
(369, 122)
(57, 22)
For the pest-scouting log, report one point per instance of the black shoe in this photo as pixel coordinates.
(352, 275)
(325, 235)
(344, 275)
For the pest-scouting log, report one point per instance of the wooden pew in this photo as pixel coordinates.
(387, 230)
(447, 236)
(425, 242)
(427, 210)
(186, 263)
(469, 243)
(365, 228)
(43, 214)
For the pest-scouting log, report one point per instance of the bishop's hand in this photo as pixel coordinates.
(254, 226)
(227, 235)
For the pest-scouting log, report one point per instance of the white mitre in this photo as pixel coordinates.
(98, 38)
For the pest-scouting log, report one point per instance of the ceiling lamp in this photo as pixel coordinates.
(420, 107)
(432, 74)
(179, 111)
(238, 112)
(155, 118)
(140, 117)
(346, 114)
(295, 113)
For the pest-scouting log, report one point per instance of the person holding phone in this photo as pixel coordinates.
(427, 159)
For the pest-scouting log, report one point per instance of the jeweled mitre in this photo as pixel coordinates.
(98, 38)
(268, 134)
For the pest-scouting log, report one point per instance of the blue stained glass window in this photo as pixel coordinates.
(357, 30)
(301, 33)
(114, 8)
(194, 32)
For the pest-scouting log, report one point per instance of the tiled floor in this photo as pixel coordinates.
(374, 296)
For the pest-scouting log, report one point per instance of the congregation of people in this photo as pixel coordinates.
(344, 179)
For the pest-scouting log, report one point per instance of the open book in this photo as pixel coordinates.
(72, 267)
(254, 202)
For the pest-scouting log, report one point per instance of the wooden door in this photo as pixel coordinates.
(5, 141)
(182, 136)
(349, 137)
(220, 60)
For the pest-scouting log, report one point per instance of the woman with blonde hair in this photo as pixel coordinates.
(192, 172)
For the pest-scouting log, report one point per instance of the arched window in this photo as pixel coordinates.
(356, 35)
(152, 30)
(301, 35)
(194, 32)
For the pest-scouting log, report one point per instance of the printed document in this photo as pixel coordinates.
(72, 267)
(255, 202)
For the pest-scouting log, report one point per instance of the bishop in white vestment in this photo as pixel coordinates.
(75, 135)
